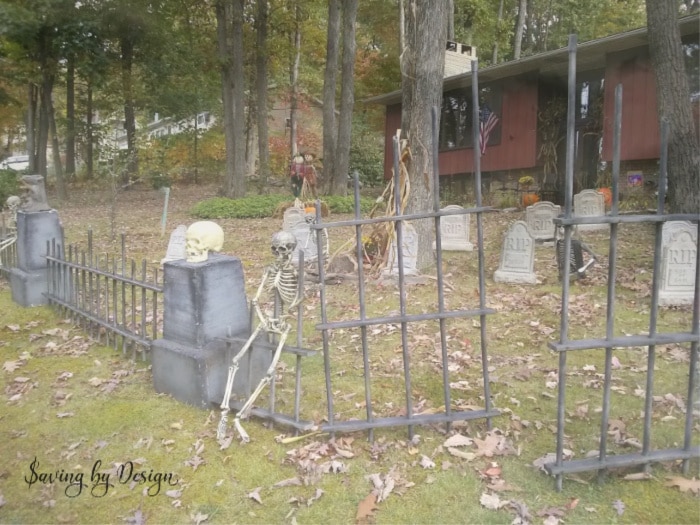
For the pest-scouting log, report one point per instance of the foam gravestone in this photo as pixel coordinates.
(201, 238)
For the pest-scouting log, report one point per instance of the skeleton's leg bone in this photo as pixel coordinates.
(221, 430)
(243, 412)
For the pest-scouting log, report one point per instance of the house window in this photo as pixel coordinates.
(589, 99)
(456, 118)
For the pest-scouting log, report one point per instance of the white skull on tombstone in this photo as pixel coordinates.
(201, 238)
(12, 203)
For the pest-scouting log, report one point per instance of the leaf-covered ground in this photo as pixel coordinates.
(85, 439)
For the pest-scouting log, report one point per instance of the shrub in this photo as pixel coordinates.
(9, 185)
(258, 206)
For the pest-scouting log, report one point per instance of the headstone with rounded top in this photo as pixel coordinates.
(678, 264)
(517, 257)
(590, 203)
(540, 220)
(454, 230)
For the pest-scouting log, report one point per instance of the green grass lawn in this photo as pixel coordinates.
(85, 414)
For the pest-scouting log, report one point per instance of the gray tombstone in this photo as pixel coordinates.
(454, 230)
(671, 227)
(292, 217)
(204, 306)
(176, 246)
(306, 242)
(409, 254)
(517, 257)
(297, 222)
(678, 264)
(35, 231)
(540, 220)
(589, 203)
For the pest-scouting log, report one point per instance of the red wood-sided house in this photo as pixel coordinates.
(529, 97)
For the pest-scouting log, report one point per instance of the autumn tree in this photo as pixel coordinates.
(337, 133)
(422, 69)
(330, 81)
(261, 22)
(673, 98)
(229, 18)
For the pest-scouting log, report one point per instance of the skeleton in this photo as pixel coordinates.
(201, 238)
(279, 278)
(13, 203)
(8, 235)
(577, 268)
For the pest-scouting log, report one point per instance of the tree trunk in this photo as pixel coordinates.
(222, 30)
(294, 83)
(89, 140)
(347, 100)
(450, 20)
(673, 96)
(261, 90)
(43, 135)
(494, 56)
(329, 87)
(239, 138)
(31, 126)
(56, 149)
(132, 162)
(422, 69)
(519, 28)
(402, 26)
(70, 117)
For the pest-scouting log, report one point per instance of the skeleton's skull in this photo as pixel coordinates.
(283, 245)
(201, 238)
(12, 203)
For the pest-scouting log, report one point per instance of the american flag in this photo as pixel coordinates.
(487, 121)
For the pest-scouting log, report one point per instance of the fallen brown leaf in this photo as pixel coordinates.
(684, 484)
(366, 509)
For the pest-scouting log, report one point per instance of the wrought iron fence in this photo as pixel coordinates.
(111, 298)
(8, 246)
(403, 319)
(605, 459)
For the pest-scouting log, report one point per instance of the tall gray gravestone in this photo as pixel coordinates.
(35, 231)
(678, 263)
(204, 303)
(454, 230)
(540, 220)
(409, 254)
(590, 203)
(295, 222)
(517, 257)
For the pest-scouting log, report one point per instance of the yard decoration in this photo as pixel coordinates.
(607, 195)
(376, 238)
(201, 238)
(279, 278)
(529, 199)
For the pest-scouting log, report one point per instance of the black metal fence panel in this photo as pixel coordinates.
(113, 299)
(403, 319)
(647, 455)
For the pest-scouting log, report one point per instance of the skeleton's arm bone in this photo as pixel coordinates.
(258, 311)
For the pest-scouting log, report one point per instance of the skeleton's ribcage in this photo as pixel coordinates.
(575, 256)
(285, 282)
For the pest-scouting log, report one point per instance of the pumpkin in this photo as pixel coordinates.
(530, 198)
(607, 195)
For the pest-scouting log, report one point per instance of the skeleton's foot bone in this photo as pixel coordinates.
(241, 431)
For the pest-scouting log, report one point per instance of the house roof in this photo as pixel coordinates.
(589, 56)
